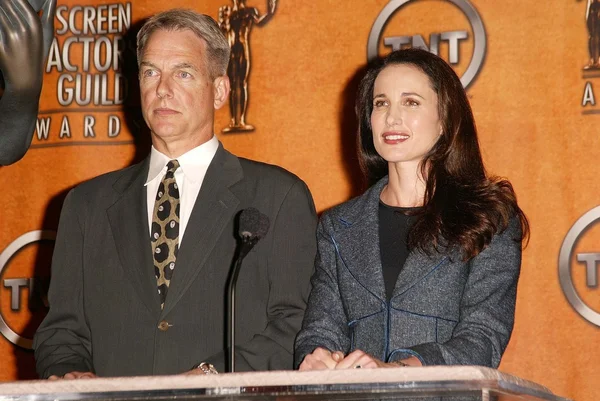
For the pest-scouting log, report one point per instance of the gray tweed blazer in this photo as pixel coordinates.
(443, 311)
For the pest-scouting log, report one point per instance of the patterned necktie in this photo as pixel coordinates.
(165, 230)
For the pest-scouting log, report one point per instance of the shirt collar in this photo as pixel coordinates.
(193, 163)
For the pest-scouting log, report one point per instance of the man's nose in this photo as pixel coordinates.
(164, 90)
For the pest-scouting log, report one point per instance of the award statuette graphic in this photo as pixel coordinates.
(592, 19)
(236, 22)
(25, 39)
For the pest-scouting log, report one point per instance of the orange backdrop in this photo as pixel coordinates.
(534, 104)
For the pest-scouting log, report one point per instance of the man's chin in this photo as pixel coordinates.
(165, 133)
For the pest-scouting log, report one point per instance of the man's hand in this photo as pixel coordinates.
(321, 359)
(194, 372)
(73, 376)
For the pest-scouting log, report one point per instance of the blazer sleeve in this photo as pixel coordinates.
(290, 262)
(487, 308)
(325, 321)
(62, 342)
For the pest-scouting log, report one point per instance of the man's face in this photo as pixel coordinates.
(177, 94)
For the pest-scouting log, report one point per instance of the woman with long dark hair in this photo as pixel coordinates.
(422, 268)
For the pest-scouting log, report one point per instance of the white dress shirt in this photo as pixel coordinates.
(189, 176)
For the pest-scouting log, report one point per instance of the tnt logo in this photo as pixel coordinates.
(578, 266)
(24, 280)
(451, 29)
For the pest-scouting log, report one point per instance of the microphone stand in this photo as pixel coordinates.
(248, 242)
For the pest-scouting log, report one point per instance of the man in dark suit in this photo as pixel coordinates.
(143, 254)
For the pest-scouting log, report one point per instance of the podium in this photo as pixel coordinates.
(445, 383)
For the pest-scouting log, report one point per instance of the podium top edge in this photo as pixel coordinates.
(467, 377)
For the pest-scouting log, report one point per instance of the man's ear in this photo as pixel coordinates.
(221, 88)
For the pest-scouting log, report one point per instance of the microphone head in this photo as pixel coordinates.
(253, 224)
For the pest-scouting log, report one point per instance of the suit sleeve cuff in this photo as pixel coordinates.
(423, 353)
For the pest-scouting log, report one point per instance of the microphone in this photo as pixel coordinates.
(253, 225)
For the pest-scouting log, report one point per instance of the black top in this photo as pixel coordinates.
(394, 227)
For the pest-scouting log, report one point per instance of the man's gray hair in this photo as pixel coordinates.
(202, 25)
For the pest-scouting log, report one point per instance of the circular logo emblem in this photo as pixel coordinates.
(467, 9)
(590, 260)
(14, 284)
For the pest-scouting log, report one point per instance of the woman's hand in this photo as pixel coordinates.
(360, 359)
(321, 359)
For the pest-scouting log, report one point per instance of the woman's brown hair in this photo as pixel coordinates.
(463, 206)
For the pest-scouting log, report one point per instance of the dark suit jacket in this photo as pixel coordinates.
(104, 313)
(443, 311)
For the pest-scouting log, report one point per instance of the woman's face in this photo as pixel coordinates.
(404, 120)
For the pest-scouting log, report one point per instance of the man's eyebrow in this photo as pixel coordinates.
(177, 66)
(186, 65)
(147, 64)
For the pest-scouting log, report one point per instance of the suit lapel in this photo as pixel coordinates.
(213, 210)
(417, 266)
(129, 224)
(358, 246)
(358, 241)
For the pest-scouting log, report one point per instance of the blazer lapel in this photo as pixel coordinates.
(358, 241)
(358, 246)
(213, 210)
(417, 266)
(129, 224)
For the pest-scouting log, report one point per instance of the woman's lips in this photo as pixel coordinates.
(393, 138)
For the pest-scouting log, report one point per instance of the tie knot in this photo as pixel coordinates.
(172, 166)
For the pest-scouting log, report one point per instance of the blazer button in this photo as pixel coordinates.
(163, 325)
